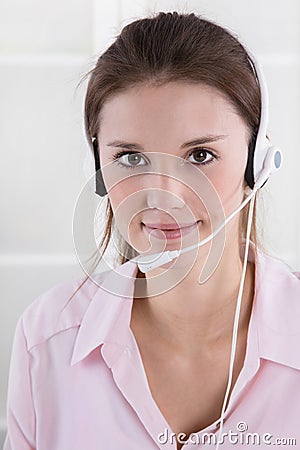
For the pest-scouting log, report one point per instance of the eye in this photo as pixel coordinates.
(202, 156)
(129, 159)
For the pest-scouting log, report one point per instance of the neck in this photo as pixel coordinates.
(190, 312)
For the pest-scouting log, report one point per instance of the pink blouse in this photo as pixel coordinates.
(77, 381)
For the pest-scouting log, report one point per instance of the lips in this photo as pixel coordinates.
(168, 226)
(169, 231)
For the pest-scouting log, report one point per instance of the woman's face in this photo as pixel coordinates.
(157, 145)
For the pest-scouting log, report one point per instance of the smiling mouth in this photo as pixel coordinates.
(168, 231)
(170, 227)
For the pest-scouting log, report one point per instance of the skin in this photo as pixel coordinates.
(187, 330)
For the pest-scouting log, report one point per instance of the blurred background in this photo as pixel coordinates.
(45, 48)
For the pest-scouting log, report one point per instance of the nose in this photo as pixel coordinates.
(165, 194)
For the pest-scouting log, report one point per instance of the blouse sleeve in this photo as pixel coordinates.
(20, 409)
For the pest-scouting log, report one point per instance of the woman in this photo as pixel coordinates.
(167, 358)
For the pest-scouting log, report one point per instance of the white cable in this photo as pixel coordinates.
(236, 319)
(212, 235)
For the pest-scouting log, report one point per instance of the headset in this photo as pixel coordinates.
(263, 160)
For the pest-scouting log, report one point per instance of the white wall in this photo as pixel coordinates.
(45, 47)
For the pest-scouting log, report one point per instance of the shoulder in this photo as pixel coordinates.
(61, 307)
(277, 311)
(275, 274)
(278, 290)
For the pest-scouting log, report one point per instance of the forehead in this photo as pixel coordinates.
(174, 107)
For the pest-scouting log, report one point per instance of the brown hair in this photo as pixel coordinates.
(173, 47)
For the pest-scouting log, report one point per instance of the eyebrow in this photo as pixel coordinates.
(197, 141)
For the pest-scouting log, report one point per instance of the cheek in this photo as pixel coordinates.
(124, 201)
(127, 206)
(228, 182)
(116, 197)
(229, 176)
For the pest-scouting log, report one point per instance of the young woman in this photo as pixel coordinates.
(200, 351)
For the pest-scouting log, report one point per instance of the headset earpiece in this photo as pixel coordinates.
(271, 164)
(263, 158)
(249, 175)
(100, 185)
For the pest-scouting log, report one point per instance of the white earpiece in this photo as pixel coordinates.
(271, 164)
(267, 159)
